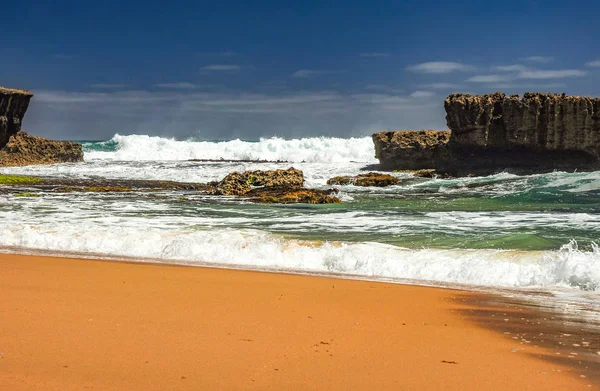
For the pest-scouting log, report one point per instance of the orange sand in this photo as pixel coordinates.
(80, 324)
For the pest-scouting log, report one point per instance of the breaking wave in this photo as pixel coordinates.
(311, 150)
(567, 267)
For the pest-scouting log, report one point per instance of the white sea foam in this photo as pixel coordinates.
(564, 268)
(315, 149)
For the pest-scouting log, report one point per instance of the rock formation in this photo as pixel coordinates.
(272, 186)
(13, 105)
(492, 133)
(24, 149)
(409, 149)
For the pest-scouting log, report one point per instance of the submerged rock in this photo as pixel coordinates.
(283, 195)
(369, 179)
(24, 149)
(13, 105)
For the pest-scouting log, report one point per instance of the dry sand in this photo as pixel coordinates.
(80, 324)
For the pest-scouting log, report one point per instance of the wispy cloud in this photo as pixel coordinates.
(516, 72)
(593, 63)
(511, 68)
(221, 68)
(108, 86)
(490, 78)
(551, 74)
(375, 54)
(539, 59)
(182, 85)
(440, 67)
(422, 94)
(441, 86)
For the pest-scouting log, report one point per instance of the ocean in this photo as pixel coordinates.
(520, 234)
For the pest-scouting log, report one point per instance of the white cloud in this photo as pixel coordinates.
(422, 94)
(182, 85)
(440, 67)
(441, 86)
(375, 54)
(221, 68)
(108, 86)
(551, 74)
(539, 59)
(511, 68)
(593, 63)
(490, 78)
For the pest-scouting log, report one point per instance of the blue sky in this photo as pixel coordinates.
(218, 70)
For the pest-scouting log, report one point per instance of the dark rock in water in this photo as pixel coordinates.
(24, 149)
(431, 173)
(411, 149)
(241, 183)
(493, 133)
(286, 195)
(369, 179)
(13, 105)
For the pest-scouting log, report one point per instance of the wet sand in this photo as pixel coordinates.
(72, 324)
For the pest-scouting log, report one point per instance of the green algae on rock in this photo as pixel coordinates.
(369, 179)
(18, 179)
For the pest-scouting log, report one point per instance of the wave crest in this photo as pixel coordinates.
(312, 150)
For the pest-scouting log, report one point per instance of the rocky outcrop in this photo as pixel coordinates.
(272, 186)
(411, 149)
(375, 179)
(540, 122)
(24, 149)
(492, 133)
(238, 183)
(536, 133)
(13, 105)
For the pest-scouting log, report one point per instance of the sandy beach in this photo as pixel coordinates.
(72, 324)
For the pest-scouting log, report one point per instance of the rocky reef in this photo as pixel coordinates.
(270, 186)
(492, 133)
(13, 105)
(24, 149)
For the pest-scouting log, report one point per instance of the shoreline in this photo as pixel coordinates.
(72, 323)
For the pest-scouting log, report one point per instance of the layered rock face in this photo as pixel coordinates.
(540, 122)
(539, 132)
(24, 149)
(492, 133)
(411, 149)
(13, 105)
